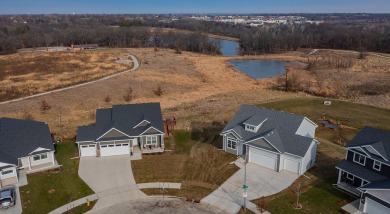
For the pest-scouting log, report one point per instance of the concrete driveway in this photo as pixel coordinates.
(261, 182)
(111, 178)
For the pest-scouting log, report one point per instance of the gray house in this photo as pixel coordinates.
(272, 139)
(123, 130)
(24, 145)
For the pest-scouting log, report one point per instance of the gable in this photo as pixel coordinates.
(113, 133)
(39, 149)
(262, 143)
(151, 130)
(306, 128)
(142, 124)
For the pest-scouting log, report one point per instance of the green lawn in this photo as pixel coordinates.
(82, 208)
(319, 196)
(47, 191)
(350, 114)
(193, 161)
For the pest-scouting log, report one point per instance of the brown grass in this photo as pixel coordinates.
(197, 88)
(27, 74)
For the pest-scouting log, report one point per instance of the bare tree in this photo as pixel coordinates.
(44, 106)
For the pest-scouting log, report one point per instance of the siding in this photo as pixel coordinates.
(238, 145)
(309, 158)
(49, 159)
(158, 140)
(385, 169)
(306, 129)
(376, 199)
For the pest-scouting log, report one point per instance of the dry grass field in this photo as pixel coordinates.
(26, 74)
(196, 89)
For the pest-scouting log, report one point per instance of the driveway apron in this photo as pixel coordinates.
(111, 178)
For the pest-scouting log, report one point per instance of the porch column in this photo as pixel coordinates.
(142, 143)
(339, 178)
(162, 142)
(52, 158)
(29, 162)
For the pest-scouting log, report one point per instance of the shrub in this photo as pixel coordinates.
(44, 106)
(159, 91)
(128, 95)
(27, 115)
(107, 99)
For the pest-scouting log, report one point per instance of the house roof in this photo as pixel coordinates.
(123, 118)
(279, 129)
(381, 184)
(19, 138)
(359, 171)
(377, 139)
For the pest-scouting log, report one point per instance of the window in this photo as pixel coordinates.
(377, 165)
(151, 140)
(7, 171)
(350, 177)
(118, 145)
(358, 158)
(40, 157)
(249, 128)
(231, 143)
(91, 145)
(84, 146)
(104, 146)
(126, 144)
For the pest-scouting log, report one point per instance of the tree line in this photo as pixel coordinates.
(31, 31)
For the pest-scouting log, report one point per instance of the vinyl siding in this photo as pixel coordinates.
(309, 158)
(49, 159)
(306, 129)
(385, 169)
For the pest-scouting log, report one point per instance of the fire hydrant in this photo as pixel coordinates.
(88, 203)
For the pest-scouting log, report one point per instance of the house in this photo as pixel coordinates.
(272, 139)
(367, 160)
(123, 130)
(24, 145)
(375, 197)
(83, 47)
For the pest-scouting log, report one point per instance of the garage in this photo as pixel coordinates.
(88, 150)
(263, 158)
(291, 165)
(372, 206)
(116, 148)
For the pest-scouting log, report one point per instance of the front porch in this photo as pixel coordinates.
(41, 167)
(344, 186)
(151, 144)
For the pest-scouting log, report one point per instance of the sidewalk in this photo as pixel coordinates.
(160, 185)
(73, 204)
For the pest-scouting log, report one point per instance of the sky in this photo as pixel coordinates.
(192, 6)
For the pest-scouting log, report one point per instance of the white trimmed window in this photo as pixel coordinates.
(7, 171)
(151, 140)
(250, 128)
(358, 158)
(40, 157)
(350, 176)
(231, 143)
(377, 165)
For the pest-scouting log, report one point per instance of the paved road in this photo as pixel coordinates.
(135, 67)
(261, 182)
(111, 178)
(157, 205)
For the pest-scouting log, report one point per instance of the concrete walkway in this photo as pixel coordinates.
(74, 204)
(135, 67)
(160, 185)
(261, 182)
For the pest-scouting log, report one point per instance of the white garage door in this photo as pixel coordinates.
(115, 149)
(87, 150)
(291, 165)
(374, 207)
(263, 158)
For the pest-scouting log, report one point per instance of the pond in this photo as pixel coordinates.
(260, 69)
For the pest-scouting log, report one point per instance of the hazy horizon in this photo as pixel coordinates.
(10, 7)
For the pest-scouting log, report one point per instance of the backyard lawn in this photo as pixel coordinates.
(350, 114)
(47, 191)
(318, 195)
(194, 162)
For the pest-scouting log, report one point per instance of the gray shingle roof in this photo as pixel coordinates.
(123, 118)
(381, 184)
(279, 129)
(360, 171)
(19, 138)
(376, 138)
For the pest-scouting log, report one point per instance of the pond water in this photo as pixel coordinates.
(260, 69)
(229, 48)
